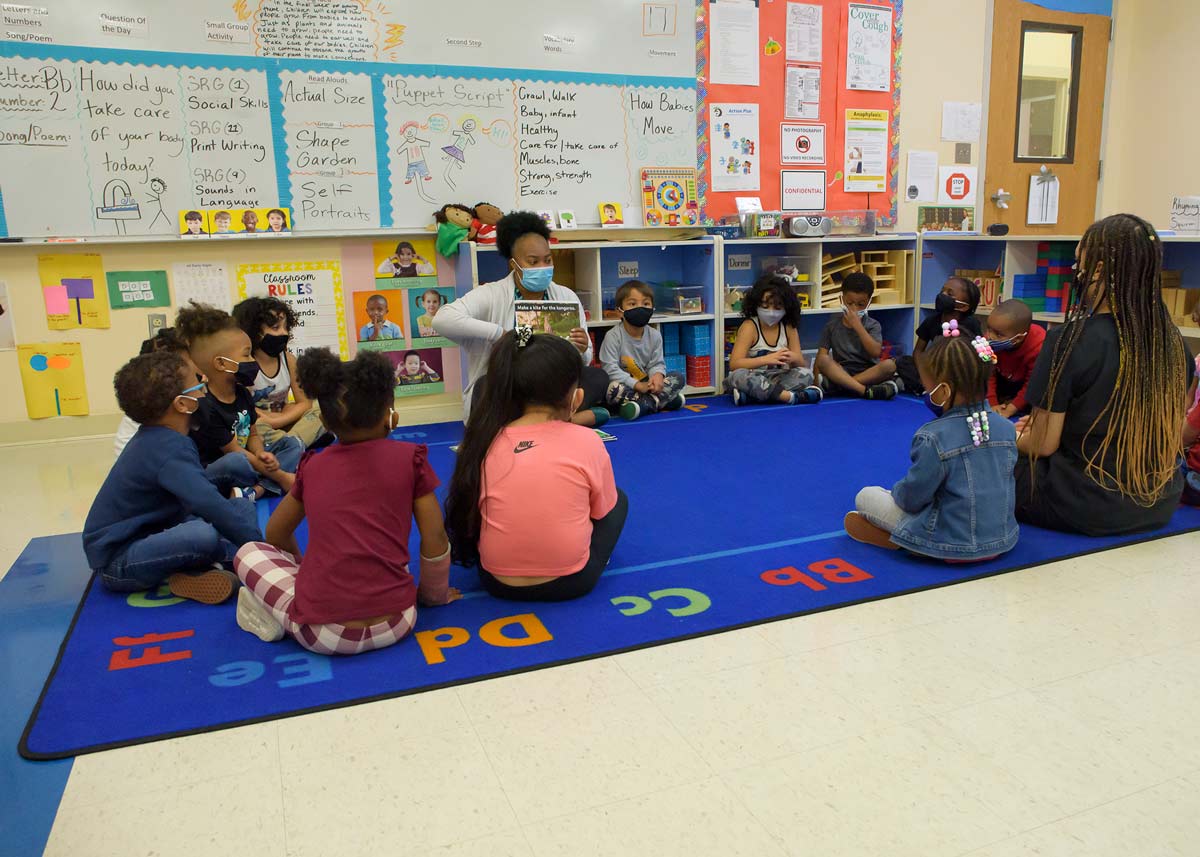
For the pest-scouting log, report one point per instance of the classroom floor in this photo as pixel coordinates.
(1049, 712)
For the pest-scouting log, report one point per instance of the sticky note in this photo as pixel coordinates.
(78, 289)
(57, 301)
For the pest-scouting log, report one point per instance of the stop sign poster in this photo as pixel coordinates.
(956, 185)
(801, 143)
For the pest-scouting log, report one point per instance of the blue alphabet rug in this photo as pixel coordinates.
(735, 519)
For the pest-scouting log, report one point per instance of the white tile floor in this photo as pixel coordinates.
(1046, 712)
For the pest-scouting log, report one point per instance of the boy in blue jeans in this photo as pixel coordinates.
(632, 355)
(157, 516)
(230, 447)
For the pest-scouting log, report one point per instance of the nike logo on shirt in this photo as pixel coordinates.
(524, 446)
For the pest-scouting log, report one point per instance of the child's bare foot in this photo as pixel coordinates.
(862, 530)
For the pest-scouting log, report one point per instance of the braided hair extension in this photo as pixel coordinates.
(1120, 264)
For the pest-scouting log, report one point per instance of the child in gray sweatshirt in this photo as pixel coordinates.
(632, 355)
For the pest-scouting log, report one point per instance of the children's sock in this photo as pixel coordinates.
(601, 414)
(881, 392)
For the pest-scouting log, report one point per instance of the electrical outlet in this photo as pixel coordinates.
(962, 153)
(157, 321)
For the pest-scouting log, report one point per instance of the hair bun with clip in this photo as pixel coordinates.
(523, 334)
(950, 328)
(984, 349)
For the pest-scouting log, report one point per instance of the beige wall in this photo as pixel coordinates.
(945, 57)
(1154, 109)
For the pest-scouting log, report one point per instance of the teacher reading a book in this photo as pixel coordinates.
(487, 312)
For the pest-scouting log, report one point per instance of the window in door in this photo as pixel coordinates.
(1048, 92)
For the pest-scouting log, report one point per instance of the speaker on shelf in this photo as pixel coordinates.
(807, 226)
(998, 229)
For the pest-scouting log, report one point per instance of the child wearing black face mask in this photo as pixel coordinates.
(957, 302)
(632, 355)
(269, 322)
(223, 428)
(767, 363)
(158, 518)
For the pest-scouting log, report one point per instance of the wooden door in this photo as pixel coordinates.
(1054, 119)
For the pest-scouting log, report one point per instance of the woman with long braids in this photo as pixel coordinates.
(1102, 445)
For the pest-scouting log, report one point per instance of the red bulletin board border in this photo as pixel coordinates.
(769, 95)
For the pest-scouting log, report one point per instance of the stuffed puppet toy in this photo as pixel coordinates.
(486, 218)
(454, 225)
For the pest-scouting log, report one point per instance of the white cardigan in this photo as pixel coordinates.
(482, 316)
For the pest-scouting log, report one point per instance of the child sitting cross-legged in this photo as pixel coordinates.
(352, 590)
(158, 517)
(849, 348)
(632, 355)
(533, 501)
(767, 363)
(224, 429)
(957, 501)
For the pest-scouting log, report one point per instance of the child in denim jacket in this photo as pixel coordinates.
(957, 501)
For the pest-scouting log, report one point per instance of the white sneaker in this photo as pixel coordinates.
(254, 617)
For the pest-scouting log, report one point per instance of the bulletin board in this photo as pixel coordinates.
(835, 100)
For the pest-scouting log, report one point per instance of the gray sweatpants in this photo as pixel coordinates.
(767, 382)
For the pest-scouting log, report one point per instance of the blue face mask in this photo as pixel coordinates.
(1005, 344)
(536, 279)
(933, 406)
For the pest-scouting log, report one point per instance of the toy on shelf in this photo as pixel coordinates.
(486, 218)
(454, 225)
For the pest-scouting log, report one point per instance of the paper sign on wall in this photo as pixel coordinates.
(921, 181)
(802, 190)
(802, 92)
(314, 291)
(1185, 215)
(866, 151)
(73, 287)
(736, 146)
(52, 376)
(801, 144)
(138, 289)
(8, 339)
(803, 32)
(961, 121)
(957, 185)
(733, 32)
(869, 48)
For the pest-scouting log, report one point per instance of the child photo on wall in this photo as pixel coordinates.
(193, 224)
(378, 320)
(418, 371)
(423, 306)
(408, 258)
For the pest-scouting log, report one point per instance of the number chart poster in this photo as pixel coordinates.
(838, 93)
(314, 291)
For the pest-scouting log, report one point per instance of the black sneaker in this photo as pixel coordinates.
(881, 392)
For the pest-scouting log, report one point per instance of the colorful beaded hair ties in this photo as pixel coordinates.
(984, 349)
(977, 422)
(950, 328)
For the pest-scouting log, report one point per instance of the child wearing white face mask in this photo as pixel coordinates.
(850, 345)
(767, 363)
(352, 591)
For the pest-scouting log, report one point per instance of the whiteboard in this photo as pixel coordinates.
(130, 114)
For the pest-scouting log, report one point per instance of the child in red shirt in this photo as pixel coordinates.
(1017, 342)
(352, 592)
(533, 501)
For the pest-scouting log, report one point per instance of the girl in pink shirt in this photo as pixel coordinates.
(533, 502)
(352, 591)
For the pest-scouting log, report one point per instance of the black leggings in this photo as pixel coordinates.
(605, 533)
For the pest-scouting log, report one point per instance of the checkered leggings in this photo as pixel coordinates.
(270, 574)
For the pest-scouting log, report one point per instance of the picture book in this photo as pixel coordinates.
(557, 318)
